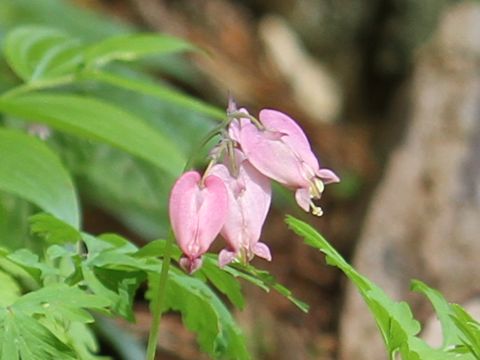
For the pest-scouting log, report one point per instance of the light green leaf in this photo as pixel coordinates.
(68, 303)
(443, 312)
(30, 170)
(38, 52)
(204, 313)
(53, 230)
(394, 319)
(133, 46)
(469, 327)
(23, 337)
(10, 289)
(161, 92)
(97, 120)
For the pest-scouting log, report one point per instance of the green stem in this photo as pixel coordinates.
(158, 298)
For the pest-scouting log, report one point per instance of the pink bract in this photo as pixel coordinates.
(249, 194)
(197, 213)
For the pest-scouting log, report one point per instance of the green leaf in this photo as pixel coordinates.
(443, 312)
(133, 46)
(59, 300)
(38, 52)
(394, 319)
(161, 92)
(266, 281)
(53, 230)
(10, 289)
(223, 281)
(23, 337)
(31, 263)
(30, 170)
(97, 120)
(469, 327)
(204, 313)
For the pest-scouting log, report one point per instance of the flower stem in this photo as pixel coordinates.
(158, 297)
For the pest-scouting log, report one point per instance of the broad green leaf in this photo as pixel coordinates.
(162, 92)
(10, 290)
(23, 337)
(133, 46)
(68, 303)
(30, 170)
(53, 230)
(97, 120)
(38, 52)
(204, 313)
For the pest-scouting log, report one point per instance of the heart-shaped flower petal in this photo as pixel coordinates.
(198, 210)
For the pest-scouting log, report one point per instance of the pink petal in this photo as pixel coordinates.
(273, 158)
(225, 257)
(262, 250)
(197, 213)
(296, 138)
(249, 202)
(328, 176)
(302, 196)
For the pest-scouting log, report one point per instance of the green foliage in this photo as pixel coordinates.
(394, 319)
(29, 169)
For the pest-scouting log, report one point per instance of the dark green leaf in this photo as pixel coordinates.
(30, 170)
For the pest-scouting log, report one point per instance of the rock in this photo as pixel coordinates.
(314, 88)
(423, 221)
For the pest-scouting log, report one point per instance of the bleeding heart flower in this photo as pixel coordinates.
(249, 197)
(281, 151)
(198, 210)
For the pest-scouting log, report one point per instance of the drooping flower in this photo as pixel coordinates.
(281, 151)
(198, 210)
(249, 198)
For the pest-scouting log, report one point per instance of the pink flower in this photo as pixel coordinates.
(198, 210)
(281, 151)
(249, 197)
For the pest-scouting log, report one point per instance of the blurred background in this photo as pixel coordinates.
(388, 92)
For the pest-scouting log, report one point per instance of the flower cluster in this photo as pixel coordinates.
(233, 196)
